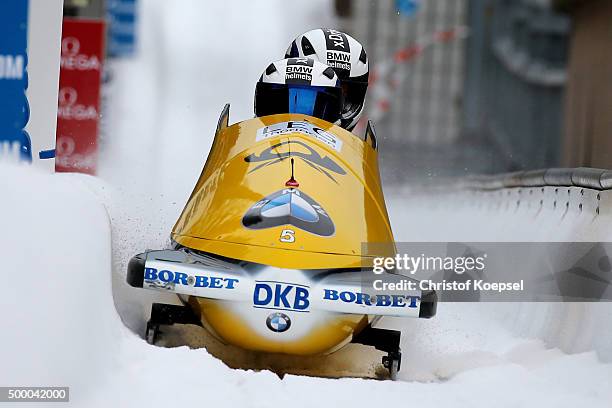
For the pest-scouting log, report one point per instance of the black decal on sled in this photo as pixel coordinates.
(272, 155)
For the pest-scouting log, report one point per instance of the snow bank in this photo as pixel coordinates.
(58, 324)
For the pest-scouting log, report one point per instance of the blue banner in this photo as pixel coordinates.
(407, 7)
(121, 17)
(14, 108)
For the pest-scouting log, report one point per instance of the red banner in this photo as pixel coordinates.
(78, 112)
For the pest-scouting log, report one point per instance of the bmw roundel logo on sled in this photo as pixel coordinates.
(278, 322)
(289, 207)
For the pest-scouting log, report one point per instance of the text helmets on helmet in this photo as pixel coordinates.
(347, 57)
(299, 85)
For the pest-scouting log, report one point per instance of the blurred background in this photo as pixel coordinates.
(457, 86)
(526, 86)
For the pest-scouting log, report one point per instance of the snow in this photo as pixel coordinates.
(58, 323)
(62, 329)
(65, 240)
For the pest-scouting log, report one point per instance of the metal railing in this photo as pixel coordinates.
(596, 179)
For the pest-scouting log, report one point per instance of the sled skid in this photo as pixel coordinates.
(167, 315)
(383, 340)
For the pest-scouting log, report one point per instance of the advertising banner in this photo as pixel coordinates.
(78, 117)
(121, 16)
(15, 142)
(30, 32)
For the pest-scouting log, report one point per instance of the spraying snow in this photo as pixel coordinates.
(62, 328)
(67, 332)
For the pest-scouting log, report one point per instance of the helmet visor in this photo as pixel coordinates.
(353, 93)
(318, 101)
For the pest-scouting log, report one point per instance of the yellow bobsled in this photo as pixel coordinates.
(271, 251)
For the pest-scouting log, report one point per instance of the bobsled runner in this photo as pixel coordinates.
(271, 251)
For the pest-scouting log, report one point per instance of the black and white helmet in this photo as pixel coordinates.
(299, 85)
(347, 57)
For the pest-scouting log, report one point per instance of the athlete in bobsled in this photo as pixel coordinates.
(268, 254)
(348, 59)
(299, 85)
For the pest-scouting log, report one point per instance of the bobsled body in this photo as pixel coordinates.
(250, 162)
(271, 248)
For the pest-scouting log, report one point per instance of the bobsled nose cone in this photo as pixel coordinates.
(292, 183)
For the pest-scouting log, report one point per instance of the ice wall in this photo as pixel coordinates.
(521, 214)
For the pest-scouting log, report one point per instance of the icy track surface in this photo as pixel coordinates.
(60, 327)
(64, 263)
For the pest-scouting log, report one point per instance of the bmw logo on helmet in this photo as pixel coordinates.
(278, 322)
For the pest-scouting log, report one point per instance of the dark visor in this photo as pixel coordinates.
(318, 101)
(353, 92)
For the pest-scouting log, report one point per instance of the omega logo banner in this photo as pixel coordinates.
(78, 112)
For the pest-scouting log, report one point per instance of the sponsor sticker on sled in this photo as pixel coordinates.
(281, 295)
(190, 280)
(303, 127)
